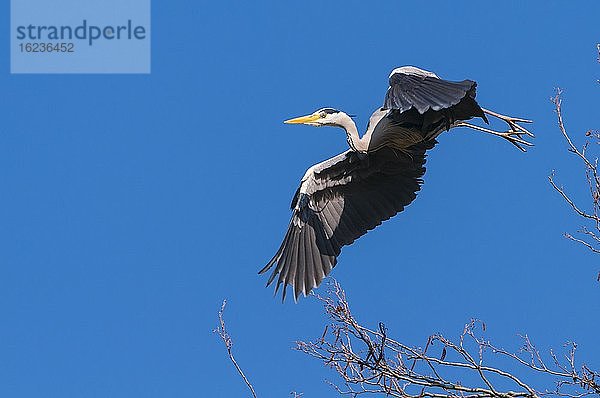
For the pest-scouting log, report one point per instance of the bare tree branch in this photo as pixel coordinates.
(590, 236)
(370, 362)
(222, 331)
(581, 241)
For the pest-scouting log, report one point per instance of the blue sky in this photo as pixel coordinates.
(131, 205)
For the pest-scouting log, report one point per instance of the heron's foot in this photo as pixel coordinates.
(514, 135)
(513, 122)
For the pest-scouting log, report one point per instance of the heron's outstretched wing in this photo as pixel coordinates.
(338, 201)
(419, 106)
(412, 87)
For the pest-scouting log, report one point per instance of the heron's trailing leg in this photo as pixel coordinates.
(514, 135)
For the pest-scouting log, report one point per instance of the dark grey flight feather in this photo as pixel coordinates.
(353, 194)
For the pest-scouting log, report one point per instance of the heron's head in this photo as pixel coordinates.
(322, 117)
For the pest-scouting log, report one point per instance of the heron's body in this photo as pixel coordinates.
(342, 198)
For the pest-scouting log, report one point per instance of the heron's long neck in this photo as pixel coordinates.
(356, 143)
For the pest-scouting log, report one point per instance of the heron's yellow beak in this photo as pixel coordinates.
(303, 119)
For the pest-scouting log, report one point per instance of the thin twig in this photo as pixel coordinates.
(581, 241)
(222, 331)
(570, 201)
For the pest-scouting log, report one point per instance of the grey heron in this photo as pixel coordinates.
(344, 197)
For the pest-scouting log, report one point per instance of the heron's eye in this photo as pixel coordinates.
(323, 115)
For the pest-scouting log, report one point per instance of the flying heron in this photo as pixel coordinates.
(342, 198)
